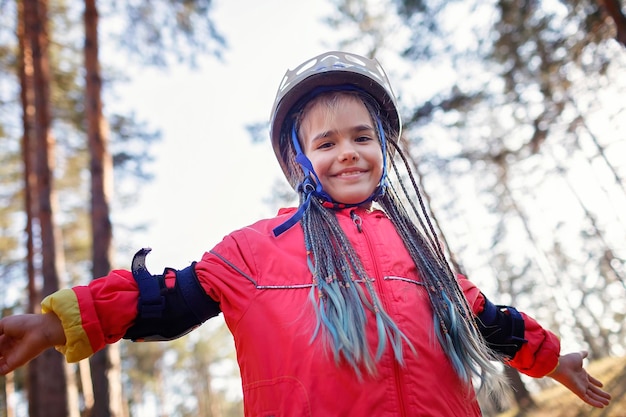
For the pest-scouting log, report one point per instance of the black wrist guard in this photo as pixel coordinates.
(168, 313)
(502, 327)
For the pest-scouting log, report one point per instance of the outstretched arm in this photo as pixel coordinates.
(23, 337)
(571, 373)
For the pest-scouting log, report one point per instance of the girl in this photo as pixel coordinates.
(344, 306)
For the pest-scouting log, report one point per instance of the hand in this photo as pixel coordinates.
(23, 337)
(573, 376)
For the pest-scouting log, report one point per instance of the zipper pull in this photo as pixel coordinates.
(358, 222)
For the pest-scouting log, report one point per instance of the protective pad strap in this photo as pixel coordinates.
(502, 327)
(151, 302)
(167, 313)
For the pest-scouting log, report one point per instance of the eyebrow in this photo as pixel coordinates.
(355, 129)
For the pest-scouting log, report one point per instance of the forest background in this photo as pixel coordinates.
(143, 123)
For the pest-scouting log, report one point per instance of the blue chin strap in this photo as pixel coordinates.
(311, 186)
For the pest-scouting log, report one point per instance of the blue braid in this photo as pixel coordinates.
(454, 323)
(341, 292)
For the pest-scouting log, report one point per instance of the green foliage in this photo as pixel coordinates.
(11, 252)
(182, 28)
(130, 139)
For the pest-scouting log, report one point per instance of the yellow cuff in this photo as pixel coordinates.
(64, 304)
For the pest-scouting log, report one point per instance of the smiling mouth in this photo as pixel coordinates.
(349, 173)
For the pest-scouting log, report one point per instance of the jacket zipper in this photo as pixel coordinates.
(358, 222)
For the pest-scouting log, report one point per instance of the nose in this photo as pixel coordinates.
(348, 153)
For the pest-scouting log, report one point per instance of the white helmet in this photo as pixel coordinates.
(329, 69)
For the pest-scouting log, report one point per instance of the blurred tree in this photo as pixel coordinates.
(163, 32)
(77, 111)
(513, 116)
(614, 10)
(47, 396)
(105, 364)
(185, 377)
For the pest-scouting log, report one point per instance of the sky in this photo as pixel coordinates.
(210, 179)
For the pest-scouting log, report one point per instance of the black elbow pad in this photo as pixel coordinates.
(502, 327)
(168, 313)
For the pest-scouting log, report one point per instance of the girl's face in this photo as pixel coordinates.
(340, 141)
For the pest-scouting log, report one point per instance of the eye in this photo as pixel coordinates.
(324, 145)
(363, 139)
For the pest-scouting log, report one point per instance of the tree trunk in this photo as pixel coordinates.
(30, 180)
(86, 385)
(47, 382)
(9, 394)
(105, 365)
(614, 9)
(28, 148)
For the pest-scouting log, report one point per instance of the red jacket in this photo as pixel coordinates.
(262, 284)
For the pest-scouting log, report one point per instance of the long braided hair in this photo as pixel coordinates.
(343, 292)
